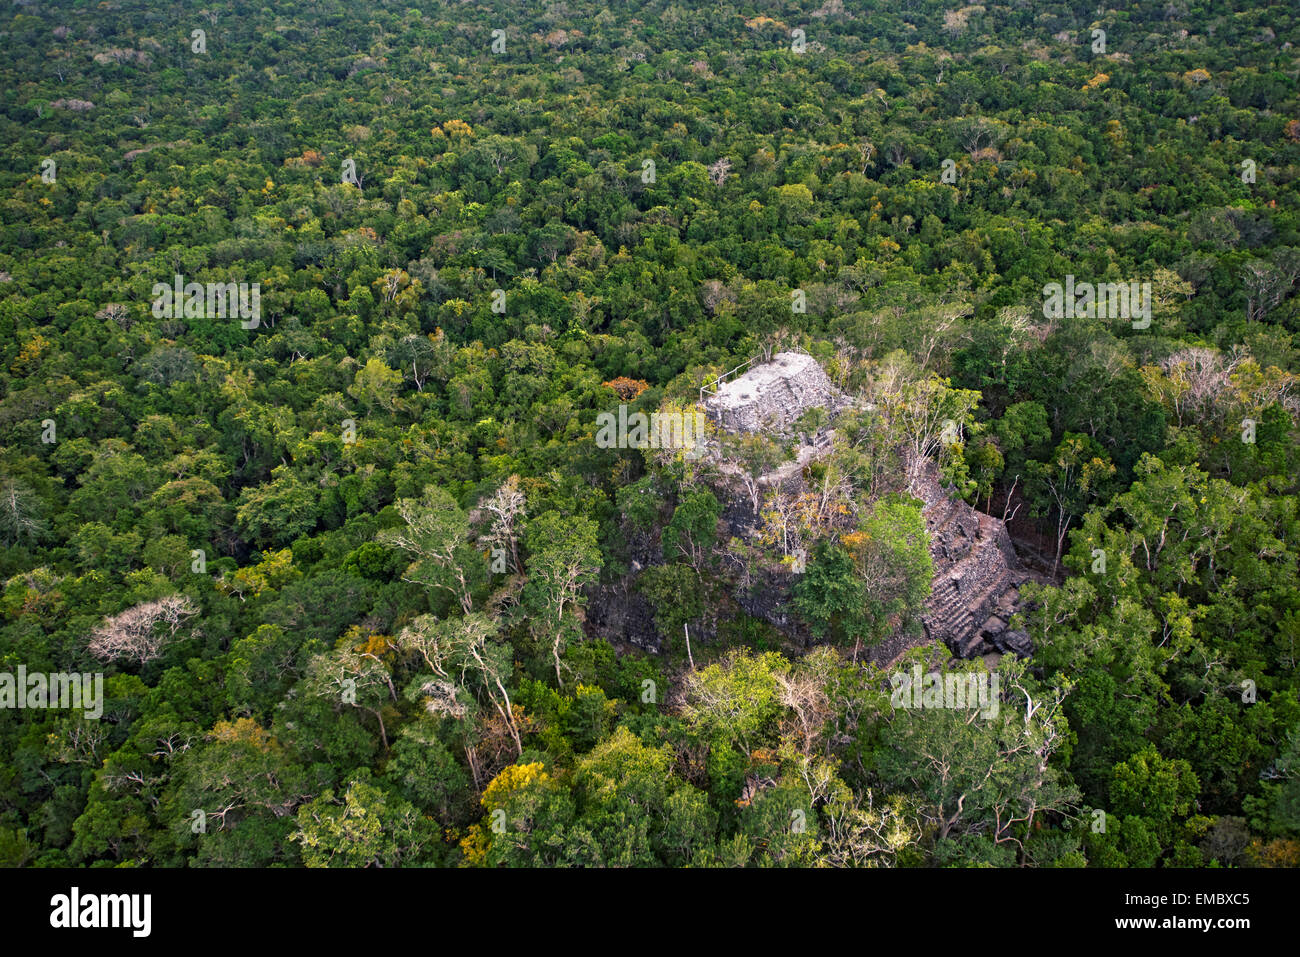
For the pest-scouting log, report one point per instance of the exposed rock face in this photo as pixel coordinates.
(618, 613)
(773, 395)
(977, 576)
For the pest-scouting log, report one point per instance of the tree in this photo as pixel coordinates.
(424, 771)
(279, 512)
(528, 823)
(831, 596)
(634, 806)
(1077, 472)
(436, 532)
(736, 700)
(356, 677)
(1270, 281)
(563, 559)
(456, 651)
(375, 386)
(369, 827)
(891, 553)
(247, 788)
(976, 773)
(692, 532)
(506, 507)
(919, 411)
(20, 512)
(757, 455)
(141, 633)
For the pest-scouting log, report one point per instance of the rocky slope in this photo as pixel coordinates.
(977, 576)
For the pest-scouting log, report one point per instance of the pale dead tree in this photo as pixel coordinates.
(220, 814)
(1200, 376)
(937, 321)
(139, 634)
(435, 528)
(19, 514)
(172, 745)
(860, 834)
(1010, 492)
(816, 774)
(475, 767)
(955, 22)
(425, 637)
(133, 779)
(713, 293)
(1203, 380)
(442, 698)
(393, 283)
(866, 150)
(1268, 282)
(118, 313)
(719, 170)
(1278, 387)
(80, 742)
(781, 521)
(803, 691)
(506, 506)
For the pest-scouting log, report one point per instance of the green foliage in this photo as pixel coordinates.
(389, 650)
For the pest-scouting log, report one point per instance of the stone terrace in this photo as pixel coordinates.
(773, 395)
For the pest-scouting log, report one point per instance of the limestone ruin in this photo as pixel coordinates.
(772, 395)
(977, 576)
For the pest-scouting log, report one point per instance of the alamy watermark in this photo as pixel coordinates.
(212, 300)
(129, 911)
(1106, 300)
(953, 691)
(658, 430)
(53, 690)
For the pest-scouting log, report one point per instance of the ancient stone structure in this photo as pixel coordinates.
(977, 576)
(772, 395)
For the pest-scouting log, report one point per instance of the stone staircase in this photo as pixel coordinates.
(977, 576)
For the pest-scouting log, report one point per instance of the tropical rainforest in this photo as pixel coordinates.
(347, 567)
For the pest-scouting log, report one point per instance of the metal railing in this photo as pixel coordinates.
(717, 383)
